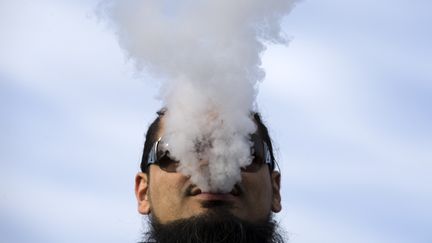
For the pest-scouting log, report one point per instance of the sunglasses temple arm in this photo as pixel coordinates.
(267, 155)
(153, 153)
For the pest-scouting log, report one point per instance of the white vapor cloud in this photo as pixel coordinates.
(209, 55)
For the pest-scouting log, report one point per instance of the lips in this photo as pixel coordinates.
(208, 196)
(195, 191)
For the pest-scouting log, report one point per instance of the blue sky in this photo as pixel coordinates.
(347, 101)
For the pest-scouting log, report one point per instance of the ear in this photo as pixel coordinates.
(276, 200)
(141, 193)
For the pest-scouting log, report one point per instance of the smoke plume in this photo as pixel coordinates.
(207, 54)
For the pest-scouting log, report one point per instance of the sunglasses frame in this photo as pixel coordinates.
(152, 157)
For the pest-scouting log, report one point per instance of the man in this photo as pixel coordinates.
(180, 212)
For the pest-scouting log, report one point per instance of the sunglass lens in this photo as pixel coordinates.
(166, 163)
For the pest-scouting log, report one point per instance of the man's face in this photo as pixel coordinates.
(171, 196)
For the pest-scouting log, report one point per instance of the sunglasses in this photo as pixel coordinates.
(159, 155)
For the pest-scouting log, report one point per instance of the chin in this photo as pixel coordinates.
(216, 224)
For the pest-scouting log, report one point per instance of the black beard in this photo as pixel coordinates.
(213, 226)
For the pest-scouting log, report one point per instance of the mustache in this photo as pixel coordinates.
(193, 190)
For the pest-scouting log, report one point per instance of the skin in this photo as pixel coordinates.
(164, 195)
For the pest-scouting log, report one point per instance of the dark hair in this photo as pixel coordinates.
(151, 137)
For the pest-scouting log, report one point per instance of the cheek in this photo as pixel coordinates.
(263, 194)
(162, 188)
(165, 195)
(258, 193)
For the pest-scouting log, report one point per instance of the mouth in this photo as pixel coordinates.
(209, 196)
(215, 196)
